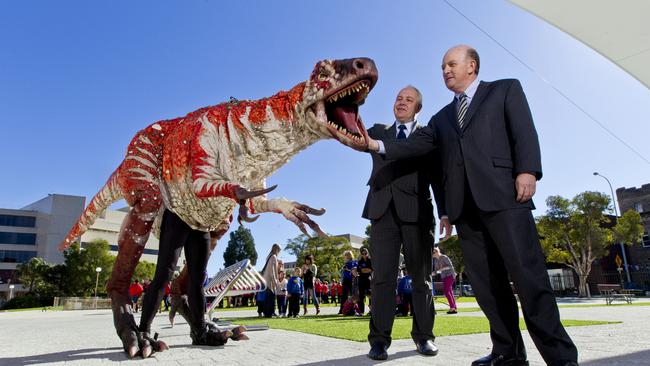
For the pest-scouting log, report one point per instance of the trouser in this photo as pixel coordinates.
(388, 235)
(294, 305)
(176, 235)
(364, 289)
(310, 293)
(282, 304)
(502, 246)
(448, 288)
(269, 303)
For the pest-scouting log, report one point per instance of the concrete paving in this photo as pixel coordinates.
(88, 338)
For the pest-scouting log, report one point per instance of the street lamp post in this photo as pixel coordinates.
(627, 270)
(98, 270)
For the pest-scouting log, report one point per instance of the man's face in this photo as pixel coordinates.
(406, 105)
(458, 69)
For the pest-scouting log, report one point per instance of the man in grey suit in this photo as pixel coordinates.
(490, 162)
(401, 213)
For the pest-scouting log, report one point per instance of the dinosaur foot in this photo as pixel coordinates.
(237, 333)
(210, 335)
(141, 344)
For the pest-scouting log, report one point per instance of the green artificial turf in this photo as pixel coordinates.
(356, 328)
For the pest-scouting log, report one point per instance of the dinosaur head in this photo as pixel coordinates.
(332, 97)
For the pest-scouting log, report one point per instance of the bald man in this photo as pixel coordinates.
(490, 164)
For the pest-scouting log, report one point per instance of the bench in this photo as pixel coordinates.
(614, 292)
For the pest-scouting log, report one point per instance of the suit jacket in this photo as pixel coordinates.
(405, 182)
(498, 141)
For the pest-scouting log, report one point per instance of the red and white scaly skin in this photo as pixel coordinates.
(196, 165)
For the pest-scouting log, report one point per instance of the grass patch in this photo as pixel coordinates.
(356, 328)
(53, 308)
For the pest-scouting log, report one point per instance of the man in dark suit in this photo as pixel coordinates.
(399, 207)
(490, 162)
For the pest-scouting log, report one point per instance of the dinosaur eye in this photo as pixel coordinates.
(323, 75)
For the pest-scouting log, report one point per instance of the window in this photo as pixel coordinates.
(16, 256)
(17, 238)
(638, 207)
(646, 240)
(21, 221)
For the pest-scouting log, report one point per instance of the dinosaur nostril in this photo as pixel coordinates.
(359, 64)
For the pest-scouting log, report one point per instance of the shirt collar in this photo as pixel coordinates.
(471, 89)
(409, 125)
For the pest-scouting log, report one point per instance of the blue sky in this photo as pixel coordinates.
(79, 79)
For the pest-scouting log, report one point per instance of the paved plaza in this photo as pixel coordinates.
(88, 338)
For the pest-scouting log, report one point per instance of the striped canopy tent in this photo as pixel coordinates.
(617, 30)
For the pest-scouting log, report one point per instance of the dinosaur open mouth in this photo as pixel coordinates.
(342, 109)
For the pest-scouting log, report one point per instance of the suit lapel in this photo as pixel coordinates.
(452, 116)
(479, 96)
(390, 132)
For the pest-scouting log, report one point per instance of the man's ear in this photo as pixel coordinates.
(419, 108)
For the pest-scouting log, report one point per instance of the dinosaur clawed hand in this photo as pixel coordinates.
(298, 214)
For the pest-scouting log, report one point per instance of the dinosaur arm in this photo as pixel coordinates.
(296, 212)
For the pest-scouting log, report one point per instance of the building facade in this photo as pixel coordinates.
(37, 229)
(638, 256)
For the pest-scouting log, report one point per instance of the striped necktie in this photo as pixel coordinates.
(462, 109)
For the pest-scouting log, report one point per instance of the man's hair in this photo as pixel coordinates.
(347, 253)
(471, 53)
(417, 91)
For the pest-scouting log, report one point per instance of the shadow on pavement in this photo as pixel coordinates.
(362, 359)
(636, 358)
(111, 354)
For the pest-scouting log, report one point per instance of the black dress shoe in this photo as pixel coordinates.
(499, 360)
(378, 351)
(426, 348)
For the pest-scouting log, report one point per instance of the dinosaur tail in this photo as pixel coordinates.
(109, 193)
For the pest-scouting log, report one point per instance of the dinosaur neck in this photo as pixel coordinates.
(263, 135)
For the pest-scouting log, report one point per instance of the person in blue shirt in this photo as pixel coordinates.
(295, 290)
(405, 292)
(347, 276)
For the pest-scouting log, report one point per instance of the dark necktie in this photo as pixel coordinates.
(402, 132)
(462, 109)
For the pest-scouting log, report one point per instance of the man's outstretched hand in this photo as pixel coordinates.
(373, 145)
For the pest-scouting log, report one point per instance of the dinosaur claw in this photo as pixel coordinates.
(147, 351)
(131, 351)
(243, 215)
(243, 194)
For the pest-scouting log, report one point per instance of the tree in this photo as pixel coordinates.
(144, 270)
(296, 246)
(31, 274)
(576, 232)
(366, 241)
(80, 264)
(327, 252)
(240, 246)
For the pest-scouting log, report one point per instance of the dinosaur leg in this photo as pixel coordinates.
(133, 236)
(179, 290)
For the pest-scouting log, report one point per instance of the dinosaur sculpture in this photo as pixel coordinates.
(201, 166)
